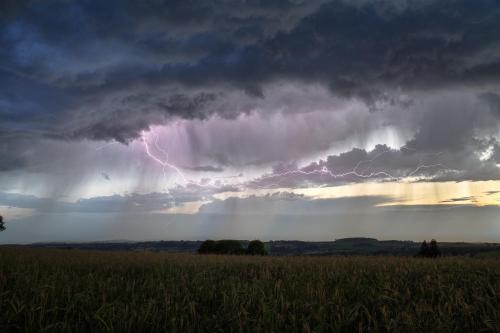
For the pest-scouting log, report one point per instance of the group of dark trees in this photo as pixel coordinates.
(430, 250)
(255, 247)
(2, 223)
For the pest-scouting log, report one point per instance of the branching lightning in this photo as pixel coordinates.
(151, 150)
(160, 149)
(359, 174)
(163, 163)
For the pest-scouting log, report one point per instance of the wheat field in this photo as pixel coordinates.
(79, 291)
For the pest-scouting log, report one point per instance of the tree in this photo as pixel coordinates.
(227, 246)
(207, 246)
(256, 247)
(434, 249)
(424, 250)
(2, 223)
(429, 251)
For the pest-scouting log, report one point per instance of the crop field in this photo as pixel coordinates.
(90, 291)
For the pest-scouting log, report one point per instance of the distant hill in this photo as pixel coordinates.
(356, 240)
(344, 246)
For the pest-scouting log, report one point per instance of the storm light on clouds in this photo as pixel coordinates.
(281, 119)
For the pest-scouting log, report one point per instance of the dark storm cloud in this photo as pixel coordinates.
(106, 204)
(381, 163)
(126, 118)
(88, 64)
(386, 164)
(455, 139)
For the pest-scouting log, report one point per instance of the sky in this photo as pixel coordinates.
(278, 119)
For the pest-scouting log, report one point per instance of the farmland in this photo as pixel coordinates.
(74, 290)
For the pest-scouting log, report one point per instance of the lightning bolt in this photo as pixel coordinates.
(160, 149)
(152, 148)
(325, 171)
(421, 166)
(360, 174)
(163, 163)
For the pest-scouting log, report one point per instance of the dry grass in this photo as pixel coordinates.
(78, 291)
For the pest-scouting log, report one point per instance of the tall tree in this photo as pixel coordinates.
(207, 246)
(424, 249)
(2, 223)
(256, 247)
(434, 249)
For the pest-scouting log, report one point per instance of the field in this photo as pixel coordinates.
(90, 291)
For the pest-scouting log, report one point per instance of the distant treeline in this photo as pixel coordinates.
(229, 246)
(343, 246)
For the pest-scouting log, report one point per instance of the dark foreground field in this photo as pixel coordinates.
(57, 290)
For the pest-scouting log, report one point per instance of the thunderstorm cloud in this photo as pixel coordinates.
(148, 106)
